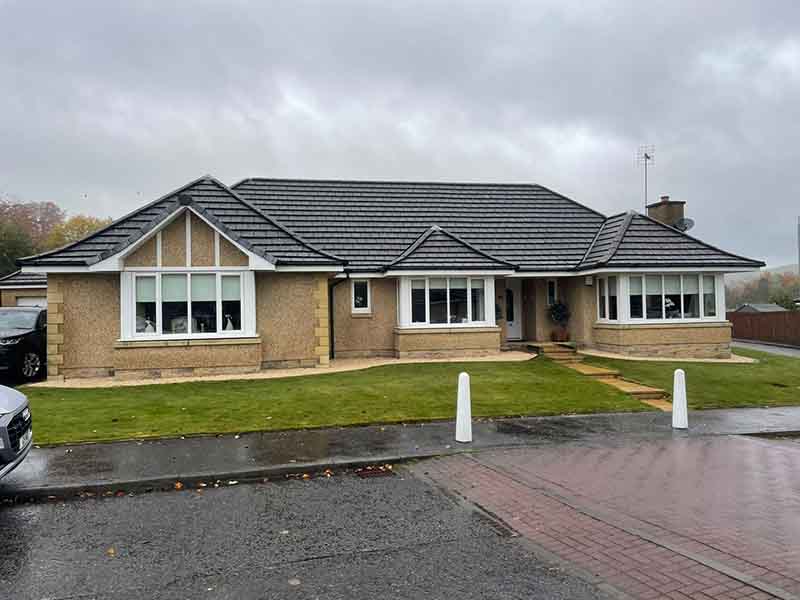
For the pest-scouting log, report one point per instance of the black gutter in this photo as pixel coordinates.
(332, 343)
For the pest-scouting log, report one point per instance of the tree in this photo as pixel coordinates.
(14, 244)
(35, 219)
(784, 298)
(73, 229)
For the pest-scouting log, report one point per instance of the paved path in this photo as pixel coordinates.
(130, 465)
(783, 351)
(706, 517)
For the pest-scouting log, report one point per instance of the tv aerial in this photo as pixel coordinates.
(646, 156)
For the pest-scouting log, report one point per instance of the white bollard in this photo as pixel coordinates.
(464, 411)
(680, 412)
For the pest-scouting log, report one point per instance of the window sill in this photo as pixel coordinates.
(477, 328)
(361, 315)
(670, 324)
(166, 343)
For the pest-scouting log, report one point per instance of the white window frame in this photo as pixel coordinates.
(405, 302)
(602, 285)
(360, 311)
(555, 291)
(623, 298)
(128, 304)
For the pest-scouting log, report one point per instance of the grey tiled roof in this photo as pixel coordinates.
(374, 225)
(437, 248)
(634, 240)
(371, 223)
(19, 279)
(228, 212)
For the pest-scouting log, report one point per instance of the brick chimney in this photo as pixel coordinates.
(667, 211)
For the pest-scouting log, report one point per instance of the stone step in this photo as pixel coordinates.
(637, 390)
(592, 371)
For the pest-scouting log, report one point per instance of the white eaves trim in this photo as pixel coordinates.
(443, 273)
(310, 269)
(116, 262)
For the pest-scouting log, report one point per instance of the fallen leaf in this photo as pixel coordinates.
(178, 485)
(111, 552)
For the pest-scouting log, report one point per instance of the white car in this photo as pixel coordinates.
(16, 431)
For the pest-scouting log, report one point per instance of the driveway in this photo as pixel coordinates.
(782, 350)
(709, 517)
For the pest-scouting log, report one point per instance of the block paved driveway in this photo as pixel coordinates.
(682, 517)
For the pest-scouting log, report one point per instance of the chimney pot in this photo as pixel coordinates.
(665, 198)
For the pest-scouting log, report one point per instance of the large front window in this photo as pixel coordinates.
(671, 297)
(184, 304)
(445, 301)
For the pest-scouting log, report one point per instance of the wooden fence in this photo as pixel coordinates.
(778, 328)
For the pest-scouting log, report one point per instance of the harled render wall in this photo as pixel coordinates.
(292, 319)
(371, 334)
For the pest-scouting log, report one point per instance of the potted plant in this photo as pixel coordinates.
(559, 314)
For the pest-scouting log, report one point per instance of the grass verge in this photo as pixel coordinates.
(772, 381)
(386, 394)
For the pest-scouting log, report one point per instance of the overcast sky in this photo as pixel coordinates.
(104, 107)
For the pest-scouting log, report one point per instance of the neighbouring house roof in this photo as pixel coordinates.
(19, 279)
(769, 307)
(634, 240)
(379, 226)
(214, 201)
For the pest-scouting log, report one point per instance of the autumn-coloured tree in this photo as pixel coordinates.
(73, 229)
(35, 219)
(14, 243)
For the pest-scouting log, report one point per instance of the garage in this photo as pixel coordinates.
(32, 301)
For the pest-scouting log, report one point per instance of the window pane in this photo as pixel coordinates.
(231, 303)
(438, 300)
(418, 301)
(174, 307)
(458, 300)
(146, 305)
(672, 296)
(691, 296)
(551, 293)
(360, 294)
(509, 305)
(654, 304)
(636, 304)
(204, 303)
(612, 298)
(478, 300)
(709, 296)
(601, 306)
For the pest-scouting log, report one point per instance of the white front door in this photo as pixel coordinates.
(514, 309)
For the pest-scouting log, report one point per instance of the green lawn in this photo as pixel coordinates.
(773, 381)
(396, 393)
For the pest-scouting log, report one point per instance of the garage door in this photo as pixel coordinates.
(32, 301)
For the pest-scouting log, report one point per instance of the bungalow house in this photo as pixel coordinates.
(23, 289)
(280, 273)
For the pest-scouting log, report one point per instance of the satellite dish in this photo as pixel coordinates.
(684, 224)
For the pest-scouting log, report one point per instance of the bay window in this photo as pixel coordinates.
(445, 301)
(177, 305)
(656, 297)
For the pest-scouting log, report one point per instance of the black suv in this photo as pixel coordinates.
(23, 342)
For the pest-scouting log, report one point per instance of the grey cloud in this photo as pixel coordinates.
(105, 105)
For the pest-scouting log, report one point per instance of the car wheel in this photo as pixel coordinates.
(31, 366)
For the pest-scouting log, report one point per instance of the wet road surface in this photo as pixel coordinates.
(342, 537)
